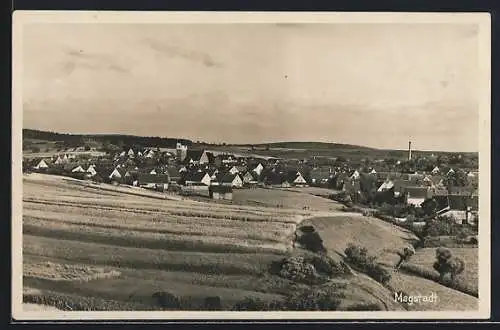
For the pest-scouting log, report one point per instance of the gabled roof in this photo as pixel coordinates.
(194, 176)
(226, 177)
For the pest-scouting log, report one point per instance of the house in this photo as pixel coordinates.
(386, 185)
(417, 195)
(463, 209)
(435, 170)
(237, 169)
(130, 153)
(354, 175)
(450, 172)
(228, 179)
(60, 161)
(115, 175)
(296, 179)
(196, 178)
(248, 178)
(221, 192)
(78, 169)
(153, 181)
(42, 164)
(199, 157)
(373, 171)
(91, 170)
(258, 169)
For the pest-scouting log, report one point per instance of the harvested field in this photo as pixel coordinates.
(189, 248)
(64, 272)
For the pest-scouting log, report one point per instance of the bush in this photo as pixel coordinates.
(325, 298)
(166, 300)
(359, 257)
(298, 270)
(446, 263)
(312, 241)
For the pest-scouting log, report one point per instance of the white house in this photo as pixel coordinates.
(451, 171)
(91, 170)
(373, 171)
(299, 180)
(258, 169)
(234, 170)
(130, 153)
(78, 169)
(115, 174)
(354, 175)
(388, 184)
(435, 170)
(41, 165)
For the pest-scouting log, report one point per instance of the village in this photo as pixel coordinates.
(421, 188)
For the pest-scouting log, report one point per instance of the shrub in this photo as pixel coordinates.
(367, 263)
(326, 265)
(446, 263)
(325, 298)
(166, 300)
(213, 303)
(298, 270)
(312, 241)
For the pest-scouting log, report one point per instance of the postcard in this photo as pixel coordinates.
(250, 165)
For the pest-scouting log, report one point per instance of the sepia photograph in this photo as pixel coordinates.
(175, 165)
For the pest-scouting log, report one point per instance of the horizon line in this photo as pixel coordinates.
(197, 141)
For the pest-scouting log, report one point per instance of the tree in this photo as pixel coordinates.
(446, 263)
(405, 256)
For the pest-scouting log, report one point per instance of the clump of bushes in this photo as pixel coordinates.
(360, 257)
(446, 263)
(322, 298)
(310, 239)
(311, 270)
(298, 270)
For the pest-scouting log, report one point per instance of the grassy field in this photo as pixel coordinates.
(292, 199)
(423, 260)
(384, 240)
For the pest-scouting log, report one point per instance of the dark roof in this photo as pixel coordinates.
(153, 178)
(173, 172)
(417, 192)
(195, 155)
(225, 177)
(194, 176)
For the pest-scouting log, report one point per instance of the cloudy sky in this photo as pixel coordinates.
(368, 84)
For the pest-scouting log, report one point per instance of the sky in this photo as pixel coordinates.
(375, 85)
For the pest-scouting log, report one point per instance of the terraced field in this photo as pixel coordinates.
(191, 249)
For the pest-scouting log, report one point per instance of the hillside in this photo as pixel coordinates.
(116, 139)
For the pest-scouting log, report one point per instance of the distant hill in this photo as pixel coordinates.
(116, 139)
(309, 145)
